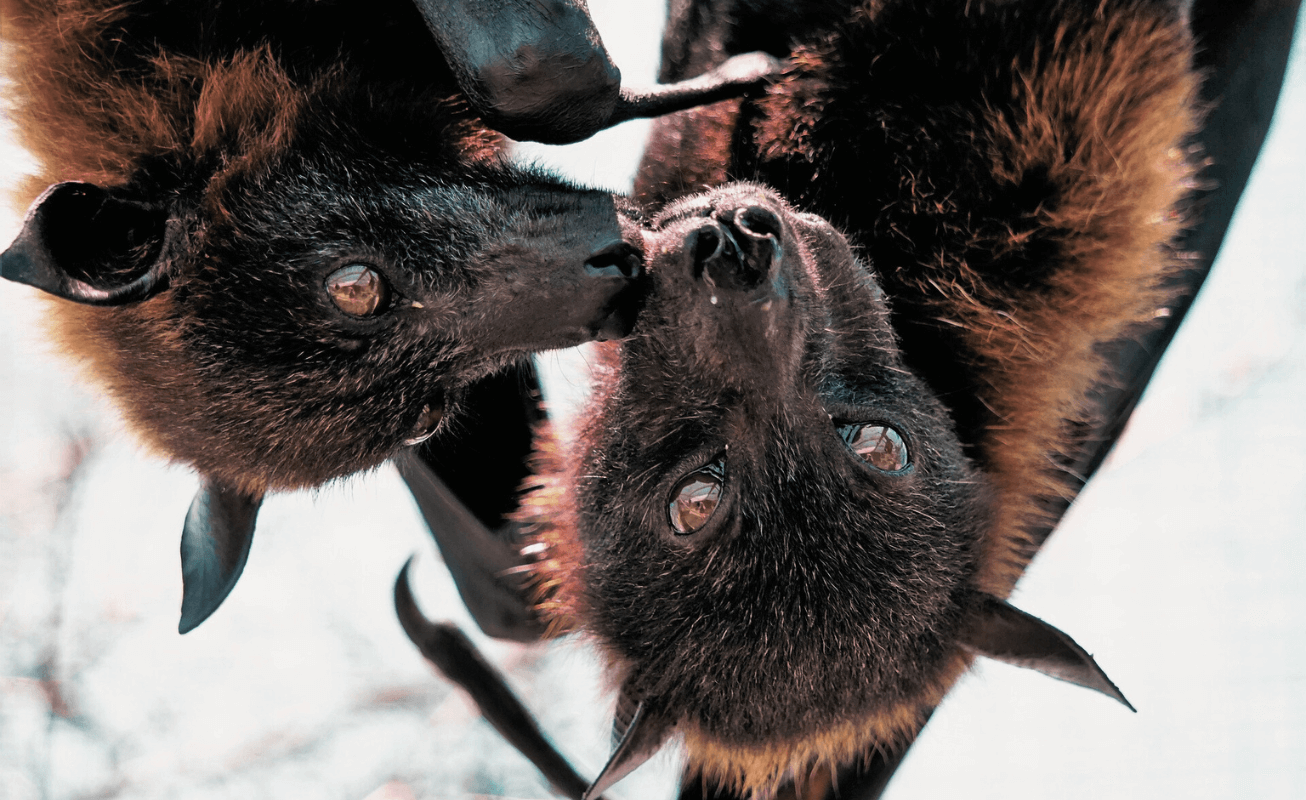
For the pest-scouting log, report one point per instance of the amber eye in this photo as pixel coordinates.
(879, 445)
(426, 423)
(696, 498)
(358, 290)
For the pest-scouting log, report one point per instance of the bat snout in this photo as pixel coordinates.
(727, 278)
(737, 250)
(613, 273)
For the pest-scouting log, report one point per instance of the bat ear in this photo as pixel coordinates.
(214, 546)
(1003, 632)
(81, 243)
(453, 654)
(639, 734)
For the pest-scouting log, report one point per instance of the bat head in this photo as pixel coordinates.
(776, 529)
(313, 281)
(302, 318)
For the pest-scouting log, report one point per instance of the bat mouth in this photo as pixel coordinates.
(617, 319)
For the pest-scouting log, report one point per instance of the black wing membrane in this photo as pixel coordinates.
(467, 485)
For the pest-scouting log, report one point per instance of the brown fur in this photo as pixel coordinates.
(87, 113)
(282, 140)
(1015, 173)
(1035, 352)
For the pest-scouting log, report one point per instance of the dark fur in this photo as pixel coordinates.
(1012, 172)
(281, 140)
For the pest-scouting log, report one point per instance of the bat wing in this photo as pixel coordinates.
(467, 484)
(1243, 52)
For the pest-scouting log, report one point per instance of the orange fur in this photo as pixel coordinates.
(1038, 351)
(758, 771)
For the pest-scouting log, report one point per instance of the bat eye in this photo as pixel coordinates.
(426, 423)
(358, 290)
(878, 445)
(696, 498)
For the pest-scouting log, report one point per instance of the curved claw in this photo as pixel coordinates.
(215, 543)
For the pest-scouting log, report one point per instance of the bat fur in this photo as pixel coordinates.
(1005, 181)
(235, 153)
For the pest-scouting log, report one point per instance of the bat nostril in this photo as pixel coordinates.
(620, 260)
(757, 221)
(736, 249)
(707, 243)
(758, 231)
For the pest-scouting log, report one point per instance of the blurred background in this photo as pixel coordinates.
(1182, 567)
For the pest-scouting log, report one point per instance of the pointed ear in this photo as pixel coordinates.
(81, 243)
(214, 547)
(453, 654)
(1003, 632)
(641, 734)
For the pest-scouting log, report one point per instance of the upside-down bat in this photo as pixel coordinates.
(284, 244)
(828, 451)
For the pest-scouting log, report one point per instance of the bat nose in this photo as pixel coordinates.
(616, 269)
(617, 260)
(738, 248)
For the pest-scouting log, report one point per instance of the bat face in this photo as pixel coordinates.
(777, 527)
(321, 355)
(305, 317)
(290, 245)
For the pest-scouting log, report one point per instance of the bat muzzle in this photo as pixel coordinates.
(737, 252)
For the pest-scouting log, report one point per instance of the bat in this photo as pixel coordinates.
(286, 246)
(656, 544)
